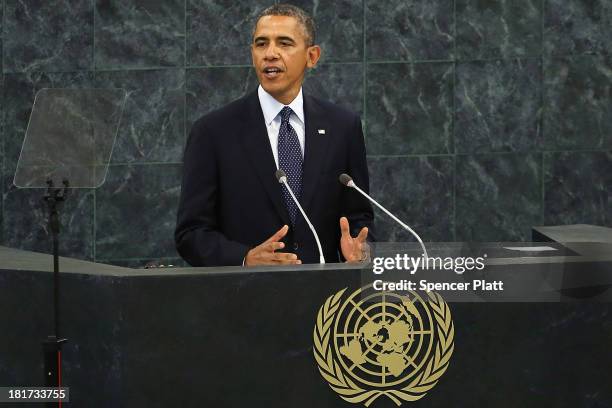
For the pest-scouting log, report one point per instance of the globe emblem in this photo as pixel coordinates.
(383, 339)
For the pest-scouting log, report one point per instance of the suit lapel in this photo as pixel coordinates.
(315, 149)
(257, 148)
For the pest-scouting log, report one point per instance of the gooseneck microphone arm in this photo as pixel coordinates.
(282, 178)
(348, 181)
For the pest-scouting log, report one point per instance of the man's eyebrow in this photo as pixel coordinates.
(281, 38)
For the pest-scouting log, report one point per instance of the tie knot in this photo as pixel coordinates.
(285, 113)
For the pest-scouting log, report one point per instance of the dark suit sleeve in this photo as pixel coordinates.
(197, 235)
(355, 207)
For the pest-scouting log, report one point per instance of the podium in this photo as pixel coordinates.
(238, 337)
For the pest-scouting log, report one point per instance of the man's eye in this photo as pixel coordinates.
(260, 44)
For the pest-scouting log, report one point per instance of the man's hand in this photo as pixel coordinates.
(264, 254)
(353, 249)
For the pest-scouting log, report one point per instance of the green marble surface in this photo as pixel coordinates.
(132, 34)
(419, 191)
(409, 30)
(153, 123)
(54, 35)
(498, 196)
(135, 211)
(203, 93)
(570, 197)
(577, 27)
(498, 28)
(409, 108)
(341, 84)
(497, 106)
(578, 103)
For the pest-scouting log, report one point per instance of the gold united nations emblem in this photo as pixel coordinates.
(377, 343)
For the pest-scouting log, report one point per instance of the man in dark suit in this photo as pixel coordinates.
(232, 209)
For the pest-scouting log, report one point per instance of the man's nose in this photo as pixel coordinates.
(271, 52)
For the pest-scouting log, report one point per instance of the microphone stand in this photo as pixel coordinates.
(348, 181)
(282, 178)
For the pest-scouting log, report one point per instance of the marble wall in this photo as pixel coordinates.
(482, 118)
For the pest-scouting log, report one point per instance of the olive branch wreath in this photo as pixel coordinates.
(349, 391)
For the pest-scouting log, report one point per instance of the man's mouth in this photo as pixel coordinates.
(272, 72)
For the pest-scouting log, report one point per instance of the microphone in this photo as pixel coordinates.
(282, 178)
(348, 181)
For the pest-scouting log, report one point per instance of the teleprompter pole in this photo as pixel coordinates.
(52, 345)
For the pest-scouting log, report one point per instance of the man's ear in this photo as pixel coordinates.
(252, 55)
(314, 53)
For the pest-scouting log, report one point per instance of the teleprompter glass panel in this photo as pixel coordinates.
(70, 137)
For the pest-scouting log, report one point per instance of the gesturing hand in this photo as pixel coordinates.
(264, 254)
(353, 249)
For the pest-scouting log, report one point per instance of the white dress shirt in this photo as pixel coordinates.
(271, 110)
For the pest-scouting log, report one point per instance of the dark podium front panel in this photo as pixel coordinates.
(237, 337)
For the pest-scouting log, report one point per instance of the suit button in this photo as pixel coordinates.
(295, 246)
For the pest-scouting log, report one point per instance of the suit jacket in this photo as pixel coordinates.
(230, 198)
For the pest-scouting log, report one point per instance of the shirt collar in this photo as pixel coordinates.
(271, 107)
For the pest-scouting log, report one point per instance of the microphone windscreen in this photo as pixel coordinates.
(280, 174)
(345, 179)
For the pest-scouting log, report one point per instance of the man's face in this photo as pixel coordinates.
(281, 55)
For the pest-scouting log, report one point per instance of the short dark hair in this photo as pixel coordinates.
(289, 10)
